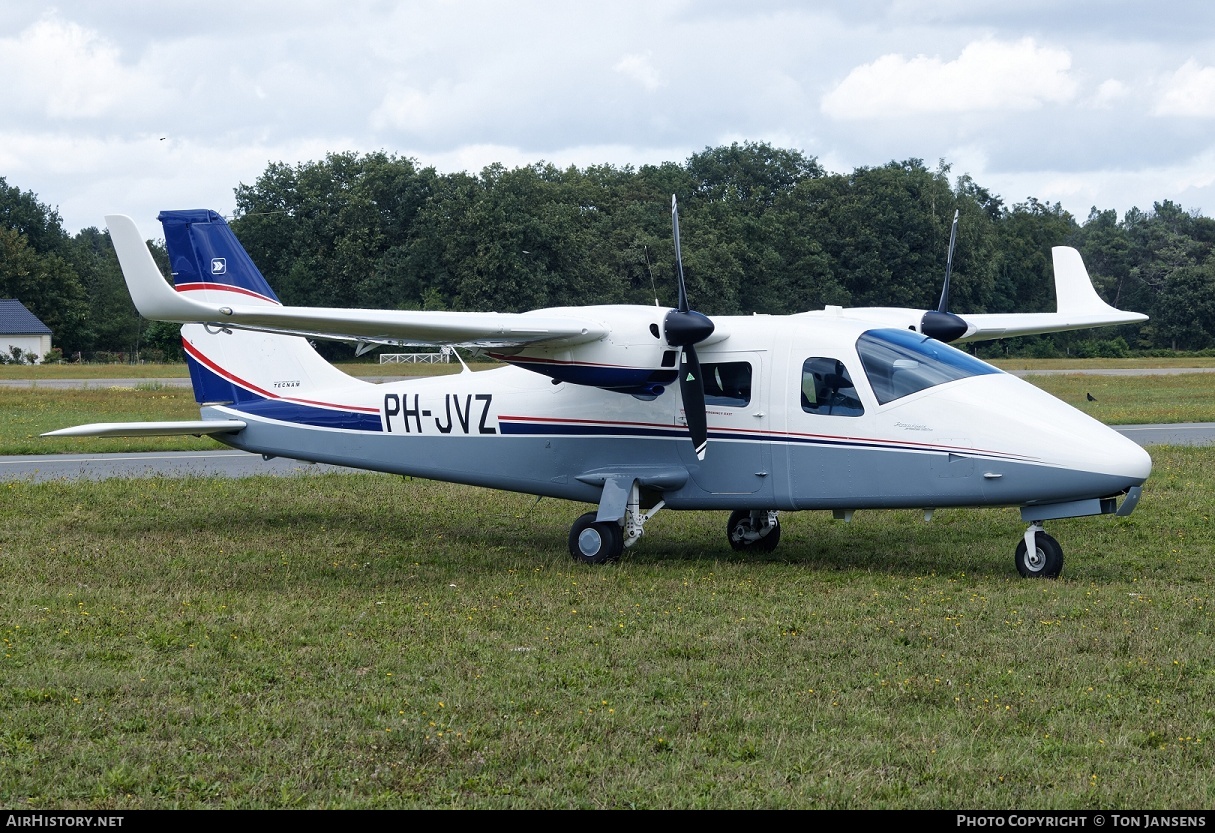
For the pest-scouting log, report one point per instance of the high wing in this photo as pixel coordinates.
(1078, 307)
(157, 300)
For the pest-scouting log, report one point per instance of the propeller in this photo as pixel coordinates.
(685, 328)
(940, 323)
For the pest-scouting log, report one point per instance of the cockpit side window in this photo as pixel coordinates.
(827, 388)
(727, 383)
(901, 362)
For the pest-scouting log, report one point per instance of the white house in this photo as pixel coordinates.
(21, 328)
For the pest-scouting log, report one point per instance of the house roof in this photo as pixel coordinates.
(16, 320)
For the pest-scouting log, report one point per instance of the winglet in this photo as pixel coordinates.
(1079, 307)
(1074, 291)
(153, 296)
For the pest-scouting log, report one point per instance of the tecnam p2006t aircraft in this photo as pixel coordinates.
(637, 408)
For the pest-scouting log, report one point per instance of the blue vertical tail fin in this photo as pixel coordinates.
(205, 256)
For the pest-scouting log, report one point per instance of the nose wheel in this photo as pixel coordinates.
(1044, 559)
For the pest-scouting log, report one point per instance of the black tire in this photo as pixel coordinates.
(740, 523)
(1047, 561)
(595, 543)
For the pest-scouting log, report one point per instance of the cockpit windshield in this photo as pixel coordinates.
(901, 362)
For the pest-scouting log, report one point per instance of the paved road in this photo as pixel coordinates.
(218, 463)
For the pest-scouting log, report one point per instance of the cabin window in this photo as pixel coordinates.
(727, 383)
(827, 388)
(901, 362)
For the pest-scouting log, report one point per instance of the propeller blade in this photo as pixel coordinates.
(692, 389)
(683, 289)
(684, 328)
(940, 323)
(953, 239)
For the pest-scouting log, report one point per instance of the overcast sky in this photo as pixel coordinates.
(132, 107)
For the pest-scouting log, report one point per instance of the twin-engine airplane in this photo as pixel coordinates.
(637, 408)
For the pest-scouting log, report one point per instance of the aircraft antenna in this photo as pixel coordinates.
(650, 266)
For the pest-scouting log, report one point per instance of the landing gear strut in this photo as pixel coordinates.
(599, 542)
(1044, 559)
(756, 530)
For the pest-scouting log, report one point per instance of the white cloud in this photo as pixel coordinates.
(90, 88)
(640, 69)
(988, 75)
(1109, 93)
(64, 71)
(408, 110)
(86, 178)
(1190, 92)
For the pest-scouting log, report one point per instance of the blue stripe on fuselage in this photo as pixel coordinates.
(591, 429)
(212, 388)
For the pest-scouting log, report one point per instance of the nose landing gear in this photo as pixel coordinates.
(1039, 555)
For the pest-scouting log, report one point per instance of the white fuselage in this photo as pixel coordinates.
(984, 439)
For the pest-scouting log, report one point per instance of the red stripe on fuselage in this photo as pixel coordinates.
(779, 436)
(212, 366)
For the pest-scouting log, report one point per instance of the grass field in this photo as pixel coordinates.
(351, 641)
(367, 641)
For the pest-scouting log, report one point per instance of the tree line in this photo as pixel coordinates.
(763, 229)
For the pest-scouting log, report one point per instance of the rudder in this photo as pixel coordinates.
(205, 256)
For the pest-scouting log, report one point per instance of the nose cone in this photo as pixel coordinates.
(1063, 436)
(1040, 449)
(1129, 459)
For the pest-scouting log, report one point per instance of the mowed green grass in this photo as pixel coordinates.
(364, 641)
(367, 641)
(1132, 400)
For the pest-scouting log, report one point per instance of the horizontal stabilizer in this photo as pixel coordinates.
(195, 428)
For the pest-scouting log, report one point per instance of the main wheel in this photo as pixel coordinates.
(595, 543)
(738, 530)
(1045, 562)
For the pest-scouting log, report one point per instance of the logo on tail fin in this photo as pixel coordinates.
(219, 265)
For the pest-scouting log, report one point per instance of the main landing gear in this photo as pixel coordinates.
(753, 530)
(1039, 555)
(601, 542)
(593, 541)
